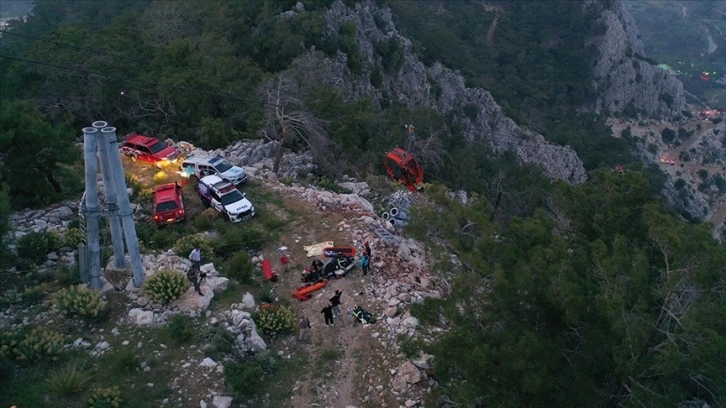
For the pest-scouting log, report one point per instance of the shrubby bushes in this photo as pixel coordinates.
(275, 321)
(35, 246)
(109, 397)
(79, 301)
(245, 378)
(239, 267)
(165, 286)
(31, 346)
(184, 245)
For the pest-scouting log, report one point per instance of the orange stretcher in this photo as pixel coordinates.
(337, 252)
(268, 272)
(303, 293)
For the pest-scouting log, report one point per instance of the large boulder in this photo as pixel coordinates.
(190, 301)
(248, 302)
(255, 342)
(218, 284)
(408, 373)
(141, 317)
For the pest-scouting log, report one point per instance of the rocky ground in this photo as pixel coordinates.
(346, 365)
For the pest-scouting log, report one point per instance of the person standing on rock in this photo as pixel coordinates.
(193, 275)
(304, 326)
(196, 257)
(367, 250)
(365, 264)
(335, 303)
(328, 313)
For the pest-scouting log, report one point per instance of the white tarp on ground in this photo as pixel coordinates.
(317, 249)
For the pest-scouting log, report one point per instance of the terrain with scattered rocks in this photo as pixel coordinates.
(369, 369)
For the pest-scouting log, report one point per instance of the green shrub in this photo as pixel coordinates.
(219, 341)
(8, 343)
(67, 380)
(35, 292)
(152, 237)
(165, 286)
(73, 237)
(275, 321)
(234, 240)
(123, 361)
(184, 245)
(105, 398)
(246, 378)
(205, 220)
(66, 276)
(39, 344)
(10, 295)
(35, 246)
(239, 267)
(254, 239)
(180, 329)
(410, 346)
(79, 301)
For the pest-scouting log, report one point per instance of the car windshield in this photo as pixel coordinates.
(222, 166)
(158, 146)
(231, 197)
(167, 206)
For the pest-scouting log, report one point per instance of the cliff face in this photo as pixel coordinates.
(436, 87)
(622, 75)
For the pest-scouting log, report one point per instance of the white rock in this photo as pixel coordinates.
(411, 322)
(208, 362)
(255, 342)
(238, 316)
(222, 401)
(218, 284)
(248, 301)
(141, 317)
(393, 302)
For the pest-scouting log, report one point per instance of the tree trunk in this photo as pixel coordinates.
(280, 149)
(51, 179)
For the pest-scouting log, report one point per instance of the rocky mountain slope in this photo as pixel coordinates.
(437, 87)
(624, 77)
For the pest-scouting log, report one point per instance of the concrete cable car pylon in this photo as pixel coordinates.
(100, 140)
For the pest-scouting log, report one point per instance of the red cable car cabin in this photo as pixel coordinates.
(403, 167)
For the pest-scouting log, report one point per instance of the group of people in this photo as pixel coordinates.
(330, 312)
(332, 309)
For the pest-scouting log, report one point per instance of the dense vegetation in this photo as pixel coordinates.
(576, 296)
(603, 299)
